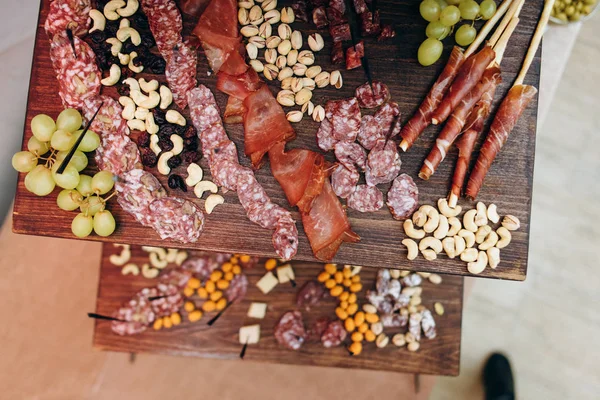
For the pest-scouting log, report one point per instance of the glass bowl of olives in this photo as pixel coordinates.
(567, 11)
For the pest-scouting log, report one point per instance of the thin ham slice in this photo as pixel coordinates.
(238, 86)
(234, 111)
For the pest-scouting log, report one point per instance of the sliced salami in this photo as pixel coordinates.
(316, 330)
(325, 138)
(371, 97)
(289, 331)
(337, 53)
(319, 16)
(334, 334)
(169, 300)
(61, 51)
(345, 118)
(285, 238)
(309, 295)
(412, 280)
(178, 277)
(394, 320)
(338, 5)
(366, 199)
(177, 219)
(428, 324)
(350, 154)
(383, 163)
(360, 6)
(78, 81)
(403, 197)
(344, 181)
(237, 288)
(354, 55)
(136, 314)
(136, 190)
(181, 72)
(340, 32)
(68, 14)
(414, 325)
(108, 120)
(117, 154)
(386, 116)
(165, 23)
(203, 266)
(369, 132)
(369, 23)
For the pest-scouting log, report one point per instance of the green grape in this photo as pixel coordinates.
(82, 225)
(443, 4)
(487, 9)
(465, 35)
(102, 182)
(430, 51)
(69, 179)
(79, 159)
(85, 185)
(450, 16)
(90, 141)
(24, 161)
(430, 10)
(37, 147)
(104, 223)
(62, 140)
(39, 181)
(69, 120)
(453, 2)
(92, 205)
(69, 200)
(469, 9)
(437, 30)
(43, 127)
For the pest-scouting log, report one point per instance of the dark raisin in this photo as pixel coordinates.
(190, 132)
(140, 21)
(177, 182)
(149, 159)
(148, 41)
(102, 60)
(111, 28)
(98, 37)
(157, 66)
(174, 162)
(123, 90)
(138, 62)
(128, 47)
(159, 116)
(191, 144)
(166, 131)
(126, 72)
(180, 130)
(143, 139)
(190, 156)
(165, 144)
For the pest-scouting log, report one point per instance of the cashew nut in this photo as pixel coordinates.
(468, 236)
(171, 255)
(459, 245)
(182, 255)
(449, 247)
(162, 165)
(124, 58)
(493, 254)
(154, 145)
(156, 262)
(148, 272)
(195, 174)
(148, 86)
(132, 56)
(482, 233)
(490, 241)
(413, 249)
(136, 125)
(152, 128)
(477, 267)
(469, 255)
(129, 33)
(411, 232)
(128, 112)
(212, 201)
(175, 117)
(204, 186)
(141, 113)
(110, 9)
(424, 274)
(395, 273)
(481, 216)
(431, 242)
(455, 226)
(492, 213)
(433, 218)
(133, 84)
(177, 144)
(469, 220)
(124, 23)
(419, 218)
(130, 9)
(149, 102)
(162, 253)
(99, 22)
(130, 269)
(115, 47)
(511, 223)
(166, 97)
(429, 254)
(113, 78)
(505, 237)
(123, 257)
(442, 229)
(446, 210)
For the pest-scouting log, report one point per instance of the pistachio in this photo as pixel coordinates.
(318, 114)
(286, 83)
(265, 30)
(271, 71)
(284, 31)
(269, 5)
(285, 98)
(313, 71)
(322, 79)
(273, 42)
(256, 15)
(292, 57)
(246, 4)
(281, 62)
(306, 57)
(296, 84)
(308, 108)
(296, 40)
(308, 83)
(252, 51)
(258, 41)
(272, 17)
(284, 47)
(243, 17)
(285, 73)
(270, 56)
(303, 96)
(249, 31)
(294, 116)
(335, 79)
(257, 65)
(299, 69)
(287, 15)
(315, 42)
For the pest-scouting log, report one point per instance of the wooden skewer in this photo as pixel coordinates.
(535, 41)
(514, 11)
(501, 45)
(487, 28)
(105, 317)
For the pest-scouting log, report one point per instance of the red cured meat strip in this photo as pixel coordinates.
(165, 23)
(289, 331)
(360, 6)
(354, 54)
(176, 277)
(237, 288)
(372, 97)
(383, 158)
(326, 225)
(239, 86)
(403, 197)
(369, 132)
(177, 219)
(366, 199)
(428, 324)
(136, 190)
(181, 72)
(234, 111)
(345, 118)
(369, 23)
(72, 14)
(309, 294)
(319, 16)
(193, 7)
(325, 138)
(337, 53)
(334, 334)
(350, 154)
(340, 32)
(344, 180)
(387, 32)
(386, 116)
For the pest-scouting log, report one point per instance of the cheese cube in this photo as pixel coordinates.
(267, 282)
(285, 273)
(249, 334)
(257, 310)
(356, 269)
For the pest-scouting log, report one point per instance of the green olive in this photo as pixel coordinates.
(570, 11)
(592, 2)
(579, 6)
(587, 9)
(562, 17)
(576, 16)
(567, 2)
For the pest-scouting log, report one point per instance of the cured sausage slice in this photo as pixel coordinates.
(334, 334)
(68, 14)
(403, 197)
(178, 277)
(345, 118)
(428, 324)
(136, 189)
(237, 288)
(309, 294)
(165, 23)
(137, 314)
(383, 163)
(344, 180)
(289, 331)
(181, 72)
(369, 132)
(325, 138)
(394, 320)
(386, 116)
(414, 325)
(371, 97)
(366, 199)
(350, 154)
(203, 265)
(177, 219)
(412, 280)
(317, 329)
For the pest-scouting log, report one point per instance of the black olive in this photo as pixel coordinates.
(174, 162)
(177, 182)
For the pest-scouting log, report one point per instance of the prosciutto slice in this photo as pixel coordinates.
(239, 86)
(234, 111)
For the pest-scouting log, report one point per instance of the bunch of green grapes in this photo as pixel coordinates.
(46, 149)
(442, 16)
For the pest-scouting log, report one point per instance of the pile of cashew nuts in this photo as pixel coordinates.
(456, 238)
(158, 259)
(194, 179)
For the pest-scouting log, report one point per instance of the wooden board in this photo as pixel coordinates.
(439, 356)
(508, 185)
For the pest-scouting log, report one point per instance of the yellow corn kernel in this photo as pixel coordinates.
(188, 291)
(202, 293)
(234, 260)
(341, 314)
(236, 270)
(209, 306)
(216, 295)
(362, 328)
(216, 275)
(228, 276)
(244, 258)
(344, 296)
(189, 306)
(193, 283)
(330, 268)
(371, 318)
(336, 291)
(352, 298)
(355, 279)
(210, 286)
(343, 305)
(347, 282)
(357, 337)
(369, 336)
(329, 283)
(349, 324)
(356, 287)
(175, 318)
(195, 316)
(167, 323)
(323, 276)
(222, 284)
(227, 267)
(359, 318)
(355, 348)
(352, 309)
(270, 264)
(338, 277)
(158, 324)
(221, 303)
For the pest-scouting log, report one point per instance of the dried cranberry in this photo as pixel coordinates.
(126, 72)
(149, 159)
(191, 156)
(177, 182)
(143, 139)
(174, 162)
(190, 132)
(98, 37)
(102, 60)
(165, 143)
(123, 90)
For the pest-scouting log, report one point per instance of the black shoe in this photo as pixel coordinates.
(498, 379)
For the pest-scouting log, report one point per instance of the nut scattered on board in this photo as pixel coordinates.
(98, 19)
(121, 258)
(212, 201)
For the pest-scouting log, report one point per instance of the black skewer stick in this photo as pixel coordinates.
(353, 24)
(152, 298)
(107, 318)
(72, 40)
(417, 383)
(243, 352)
(67, 159)
(292, 281)
(216, 317)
